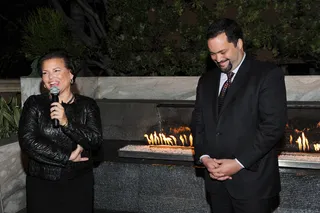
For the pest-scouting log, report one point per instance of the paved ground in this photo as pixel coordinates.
(96, 211)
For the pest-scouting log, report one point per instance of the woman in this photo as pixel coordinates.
(60, 170)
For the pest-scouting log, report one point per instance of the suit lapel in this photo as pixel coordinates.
(211, 94)
(241, 78)
(215, 90)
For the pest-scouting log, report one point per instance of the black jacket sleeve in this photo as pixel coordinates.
(88, 135)
(33, 144)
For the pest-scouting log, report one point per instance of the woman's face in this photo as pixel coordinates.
(55, 73)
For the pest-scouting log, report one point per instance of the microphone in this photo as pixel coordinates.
(54, 91)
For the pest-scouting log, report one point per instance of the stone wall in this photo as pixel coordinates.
(12, 179)
(161, 188)
(299, 88)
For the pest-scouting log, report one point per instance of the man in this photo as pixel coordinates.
(239, 116)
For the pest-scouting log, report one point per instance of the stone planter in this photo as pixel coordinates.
(141, 186)
(11, 139)
(12, 177)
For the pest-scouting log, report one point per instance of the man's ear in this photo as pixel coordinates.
(240, 44)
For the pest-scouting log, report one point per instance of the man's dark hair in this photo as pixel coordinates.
(232, 30)
(57, 54)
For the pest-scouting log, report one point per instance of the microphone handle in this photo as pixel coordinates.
(55, 123)
(55, 98)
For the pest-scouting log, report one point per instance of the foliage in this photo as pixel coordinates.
(9, 117)
(288, 31)
(155, 38)
(44, 30)
(149, 37)
(152, 37)
(11, 59)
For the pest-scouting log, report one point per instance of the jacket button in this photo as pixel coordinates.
(218, 133)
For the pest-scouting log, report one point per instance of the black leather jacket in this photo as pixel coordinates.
(49, 148)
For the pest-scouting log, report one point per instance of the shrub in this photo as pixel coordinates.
(9, 117)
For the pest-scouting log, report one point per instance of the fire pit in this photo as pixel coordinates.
(160, 152)
(174, 144)
(157, 152)
(147, 174)
(299, 149)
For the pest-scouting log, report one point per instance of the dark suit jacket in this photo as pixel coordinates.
(250, 124)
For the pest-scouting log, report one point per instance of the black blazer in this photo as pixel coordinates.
(250, 124)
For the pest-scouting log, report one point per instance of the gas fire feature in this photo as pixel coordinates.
(173, 140)
(180, 136)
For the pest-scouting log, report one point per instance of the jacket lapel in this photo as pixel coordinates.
(214, 88)
(241, 78)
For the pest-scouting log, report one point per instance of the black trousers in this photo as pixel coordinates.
(222, 202)
(65, 196)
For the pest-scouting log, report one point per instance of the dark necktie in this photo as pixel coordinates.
(224, 90)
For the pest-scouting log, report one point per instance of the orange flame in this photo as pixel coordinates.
(303, 143)
(180, 129)
(183, 137)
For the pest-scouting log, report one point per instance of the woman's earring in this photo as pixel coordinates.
(44, 86)
(71, 81)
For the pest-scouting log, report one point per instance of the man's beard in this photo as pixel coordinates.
(227, 69)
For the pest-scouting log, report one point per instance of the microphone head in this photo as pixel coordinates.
(54, 90)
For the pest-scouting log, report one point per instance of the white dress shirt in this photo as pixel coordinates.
(224, 77)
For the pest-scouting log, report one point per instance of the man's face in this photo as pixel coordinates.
(225, 54)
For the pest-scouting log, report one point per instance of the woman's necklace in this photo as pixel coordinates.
(71, 99)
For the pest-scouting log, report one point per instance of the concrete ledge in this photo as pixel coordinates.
(10, 85)
(299, 88)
